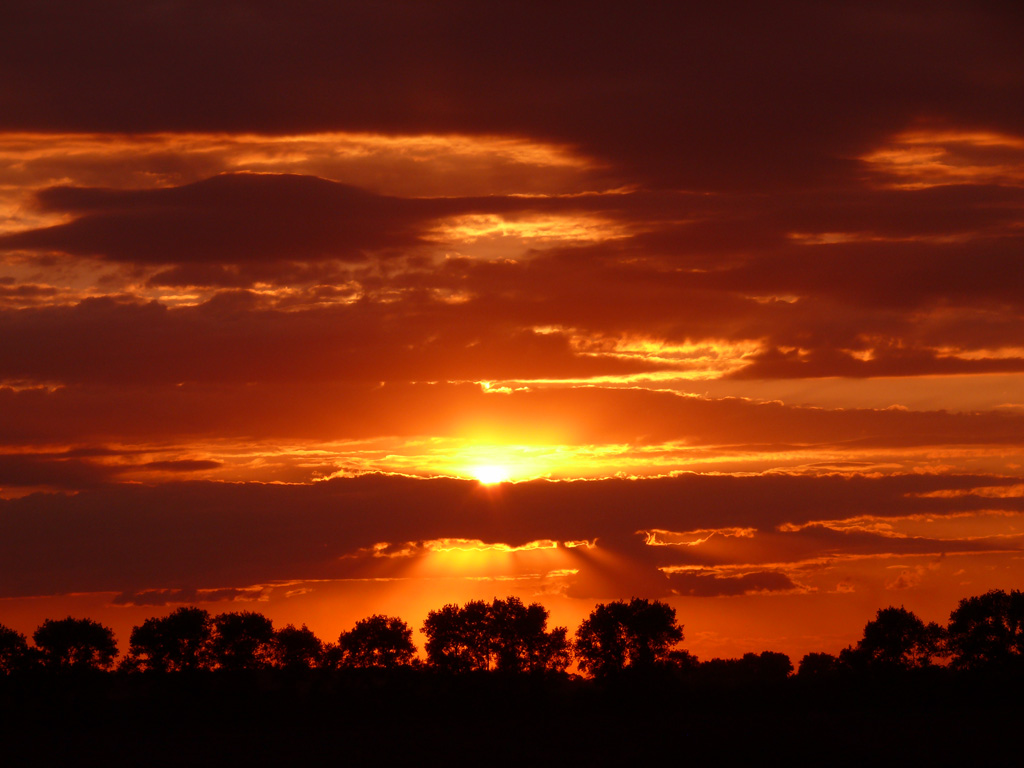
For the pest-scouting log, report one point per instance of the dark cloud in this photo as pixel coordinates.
(324, 275)
(28, 471)
(161, 597)
(709, 584)
(812, 542)
(575, 416)
(707, 96)
(131, 538)
(817, 363)
(914, 279)
(229, 219)
(240, 218)
(235, 337)
(19, 295)
(76, 469)
(916, 293)
(182, 465)
(541, 321)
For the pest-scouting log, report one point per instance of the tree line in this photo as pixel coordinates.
(984, 632)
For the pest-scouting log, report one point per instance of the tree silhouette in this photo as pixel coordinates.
(180, 641)
(297, 648)
(636, 635)
(377, 641)
(458, 638)
(818, 665)
(519, 639)
(14, 653)
(332, 656)
(768, 666)
(504, 635)
(897, 639)
(987, 630)
(243, 641)
(75, 644)
(682, 660)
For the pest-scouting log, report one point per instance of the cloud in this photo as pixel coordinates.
(229, 219)
(711, 584)
(818, 542)
(28, 471)
(241, 218)
(587, 418)
(852, 281)
(182, 465)
(162, 597)
(202, 535)
(87, 467)
(233, 337)
(783, 93)
(423, 165)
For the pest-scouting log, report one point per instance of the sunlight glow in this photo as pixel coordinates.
(548, 228)
(491, 475)
(492, 463)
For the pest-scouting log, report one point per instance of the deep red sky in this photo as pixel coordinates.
(734, 294)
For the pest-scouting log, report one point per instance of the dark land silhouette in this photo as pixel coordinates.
(196, 689)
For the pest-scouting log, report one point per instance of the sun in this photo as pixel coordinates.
(491, 474)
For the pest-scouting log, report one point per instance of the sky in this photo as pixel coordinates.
(326, 309)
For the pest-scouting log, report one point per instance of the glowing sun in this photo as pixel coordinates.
(491, 474)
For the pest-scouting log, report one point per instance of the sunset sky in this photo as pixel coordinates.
(729, 295)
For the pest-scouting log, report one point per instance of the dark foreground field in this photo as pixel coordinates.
(315, 720)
